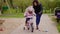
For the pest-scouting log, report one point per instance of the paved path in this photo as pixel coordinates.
(45, 25)
(10, 24)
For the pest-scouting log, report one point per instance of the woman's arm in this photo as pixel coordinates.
(41, 9)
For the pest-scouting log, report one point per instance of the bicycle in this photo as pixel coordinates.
(30, 25)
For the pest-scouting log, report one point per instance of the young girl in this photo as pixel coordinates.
(29, 13)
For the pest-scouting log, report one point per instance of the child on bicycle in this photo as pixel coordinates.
(29, 13)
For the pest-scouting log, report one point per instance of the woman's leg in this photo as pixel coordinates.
(38, 17)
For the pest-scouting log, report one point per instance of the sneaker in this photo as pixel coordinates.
(37, 28)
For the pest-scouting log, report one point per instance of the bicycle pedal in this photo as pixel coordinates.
(31, 31)
(24, 28)
(28, 28)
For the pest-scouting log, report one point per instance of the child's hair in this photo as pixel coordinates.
(30, 10)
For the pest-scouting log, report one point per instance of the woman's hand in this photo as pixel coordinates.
(40, 12)
(34, 15)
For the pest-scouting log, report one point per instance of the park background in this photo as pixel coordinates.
(19, 6)
(16, 8)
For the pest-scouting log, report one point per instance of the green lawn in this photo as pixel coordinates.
(12, 13)
(58, 27)
(12, 16)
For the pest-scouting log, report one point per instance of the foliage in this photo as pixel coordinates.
(23, 4)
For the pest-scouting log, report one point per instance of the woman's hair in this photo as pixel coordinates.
(36, 2)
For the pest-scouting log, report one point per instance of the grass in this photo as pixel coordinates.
(58, 24)
(12, 16)
(12, 13)
(58, 27)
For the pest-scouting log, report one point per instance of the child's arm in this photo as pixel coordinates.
(34, 12)
(24, 13)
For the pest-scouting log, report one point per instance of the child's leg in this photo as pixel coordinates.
(26, 22)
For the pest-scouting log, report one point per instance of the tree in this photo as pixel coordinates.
(11, 3)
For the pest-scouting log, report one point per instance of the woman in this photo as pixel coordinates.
(38, 10)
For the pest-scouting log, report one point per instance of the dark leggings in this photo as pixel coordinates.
(38, 17)
(27, 19)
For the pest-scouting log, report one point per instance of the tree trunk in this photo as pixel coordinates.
(11, 3)
(22, 9)
(4, 1)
